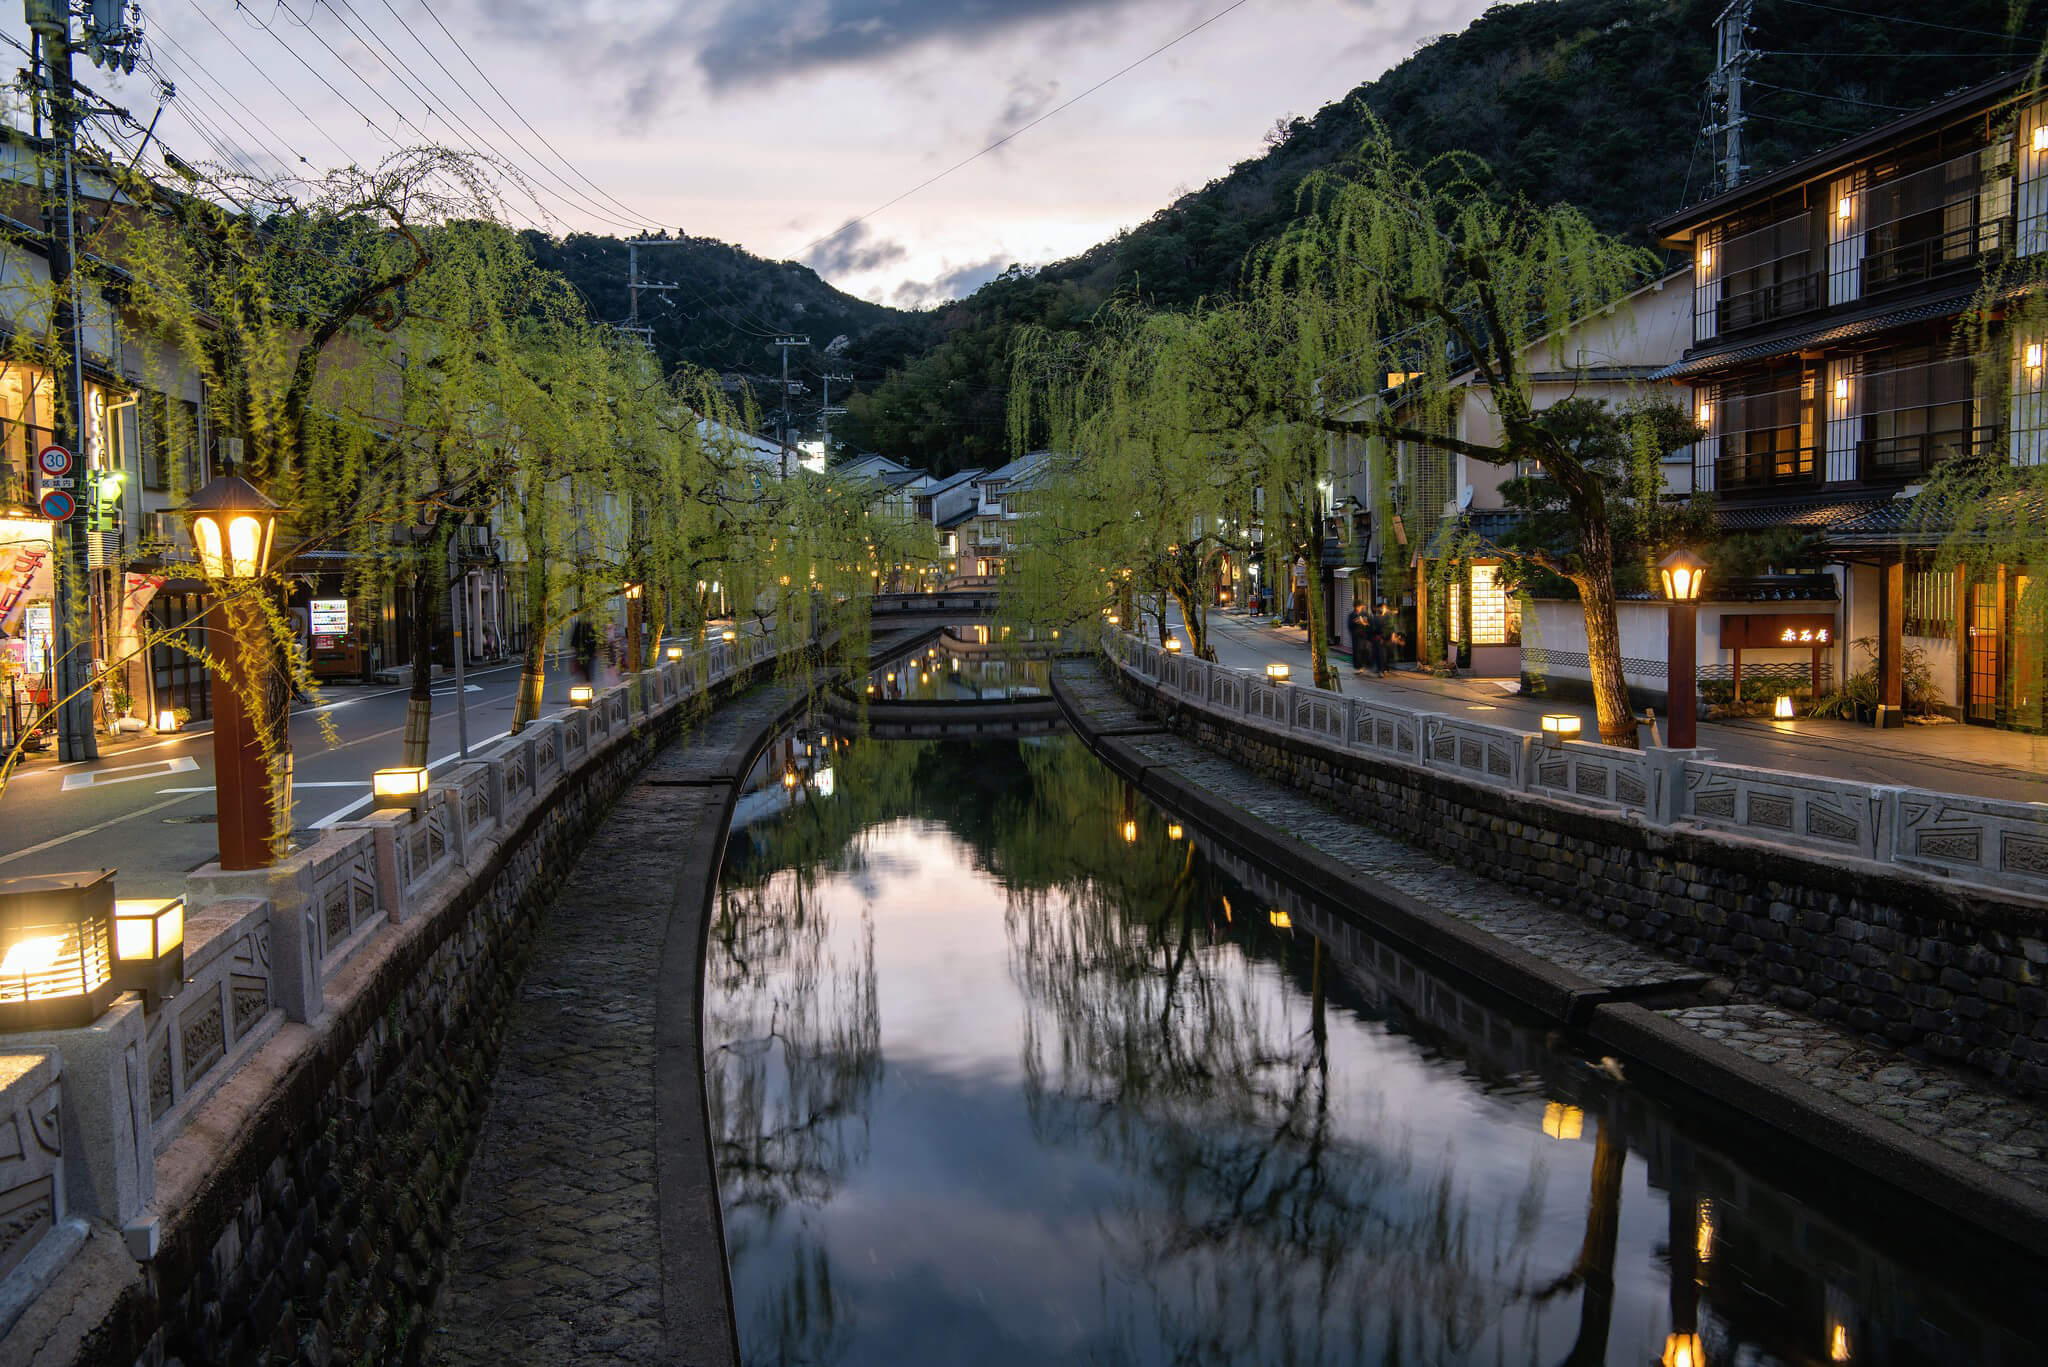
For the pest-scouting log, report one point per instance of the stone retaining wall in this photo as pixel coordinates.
(1938, 967)
(294, 1205)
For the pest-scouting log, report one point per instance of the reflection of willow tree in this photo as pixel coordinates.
(1256, 1233)
(1592, 1272)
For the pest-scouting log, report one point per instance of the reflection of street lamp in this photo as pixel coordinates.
(1130, 831)
(233, 525)
(1682, 573)
(1683, 1350)
(1563, 1122)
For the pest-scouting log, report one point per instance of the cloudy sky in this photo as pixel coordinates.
(771, 123)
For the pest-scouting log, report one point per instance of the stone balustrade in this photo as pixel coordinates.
(1975, 840)
(91, 1110)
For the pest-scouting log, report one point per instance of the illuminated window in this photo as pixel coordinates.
(1496, 616)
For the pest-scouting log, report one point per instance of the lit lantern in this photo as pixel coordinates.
(1838, 1342)
(789, 777)
(891, 676)
(166, 721)
(581, 695)
(1559, 727)
(149, 947)
(728, 635)
(1174, 831)
(924, 678)
(633, 591)
(1130, 831)
(871, 688)
(233, 524)
(675, 652)
(1683, 1350)
(405, 788)
(56, 950)
(1845, 207)
(1703, 1232)
(1112, 619)
(1682, 573)
(1278, 673)
(1280, 919)
(1563, 1122)
(1173, 645)
(1783, 710)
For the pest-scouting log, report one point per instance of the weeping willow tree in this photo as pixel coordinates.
(1149, 490)
(1420, 270)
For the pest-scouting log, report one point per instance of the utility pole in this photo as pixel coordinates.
(1732, 55)
(826, 412)
(71, 605)
(634, 284)
(786, 343)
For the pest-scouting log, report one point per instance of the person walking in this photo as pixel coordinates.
(1360, 628)
(583, 641)
(1381, 636)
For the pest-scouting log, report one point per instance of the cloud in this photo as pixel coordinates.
(854, 250)
(760, 41)
(1027, 99)
(955, 283)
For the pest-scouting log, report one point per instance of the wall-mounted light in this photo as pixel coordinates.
(1706, 258)
(405, 788)
(1705, 414)
(1845, 207)
(1842, 387)
(149, 947)
(1174, 831)
(56, 950)
(2033, 355)
(1559, 727)
(2041, 137)
(581, 695)
(1279, 919)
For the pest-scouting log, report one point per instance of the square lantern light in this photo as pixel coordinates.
(1559, 727)
(675, 653)
(1783, 710)
(582, 695)
(166, 721)
(403, 788)
(1563, 1122)
(56, 950)
(728, 635)
(1173, 645)
(1174, 830)
(149, 947)
(1278, 673)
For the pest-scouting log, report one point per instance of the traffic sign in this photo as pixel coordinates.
(54, 460)
(58, 505)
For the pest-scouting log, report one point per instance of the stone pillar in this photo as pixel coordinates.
(107, 1137)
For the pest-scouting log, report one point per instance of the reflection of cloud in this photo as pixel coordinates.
(956, 283)
(853, 250)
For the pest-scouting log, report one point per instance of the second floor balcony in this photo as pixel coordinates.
(1912, 455)
(1782, 467)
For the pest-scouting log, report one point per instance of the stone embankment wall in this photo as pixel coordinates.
(1938, 966)
(269, 1160)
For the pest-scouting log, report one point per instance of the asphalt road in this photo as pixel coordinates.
(148, 811)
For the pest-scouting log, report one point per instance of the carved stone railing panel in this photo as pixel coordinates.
(476, 786)
(225, 1010)
(1850, 818)
(2001, 843)
(1601, 774)
(575, 735)
(344, 897)
(1318, 712)
(1268, 702)
(1490, 754)
(31, 1153)
(1386, 730)
(1227, 691)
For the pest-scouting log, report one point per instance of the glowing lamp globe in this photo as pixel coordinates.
(1683, 574)
(232, 524)
(1173, 645)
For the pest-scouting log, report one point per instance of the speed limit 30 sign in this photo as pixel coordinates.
(54, 460)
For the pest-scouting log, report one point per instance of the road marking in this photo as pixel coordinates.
(352, 783)
(158, 768)
(344, 813)
(89, 830)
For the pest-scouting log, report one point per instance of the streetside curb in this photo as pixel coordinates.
(1557, 993)
(1946, 1180)
(699, 1323)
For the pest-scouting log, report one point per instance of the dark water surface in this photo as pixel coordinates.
(1006, 1068)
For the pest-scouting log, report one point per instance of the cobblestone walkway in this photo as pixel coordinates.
(556, 1253)
(1945, 1105)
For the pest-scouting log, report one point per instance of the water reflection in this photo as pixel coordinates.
(965, 664)
(1007, 1067)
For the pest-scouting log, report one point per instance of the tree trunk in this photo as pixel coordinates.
(419, 703)
(1603, 636)
(533, 670)
(1318, 643)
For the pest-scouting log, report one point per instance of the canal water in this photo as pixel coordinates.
(1008, 1066)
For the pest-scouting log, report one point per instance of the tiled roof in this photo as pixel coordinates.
(1794, 512)
(1897, 521)
(1947, 306)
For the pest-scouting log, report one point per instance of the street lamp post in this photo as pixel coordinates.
(1682, 573)
(633, 661)
(233, 525)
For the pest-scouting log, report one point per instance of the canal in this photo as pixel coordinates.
(1008, 1066)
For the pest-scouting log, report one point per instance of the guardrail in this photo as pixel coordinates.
(1973, 840)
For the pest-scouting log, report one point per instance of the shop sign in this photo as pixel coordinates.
(1777, 630)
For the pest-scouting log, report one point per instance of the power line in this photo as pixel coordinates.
(316, 75)
(1843, 99)
(311, 122)
(193, 64)
(574, 170)
(1019, 132)
(1901, 19)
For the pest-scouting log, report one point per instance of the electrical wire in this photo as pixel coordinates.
(314, 72)
(1902, 19)
(192, 63)
(1019, 132)
(178, 95)
(283, 94)
(1841, 99)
